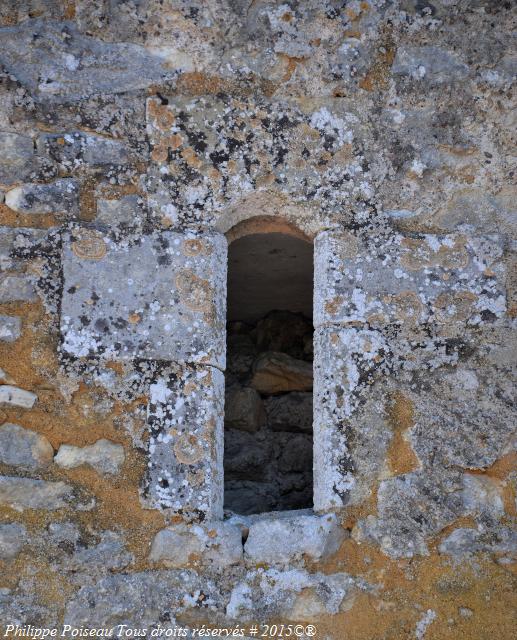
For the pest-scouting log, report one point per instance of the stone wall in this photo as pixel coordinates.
(134, 136)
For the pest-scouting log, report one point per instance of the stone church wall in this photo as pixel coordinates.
(135, 137)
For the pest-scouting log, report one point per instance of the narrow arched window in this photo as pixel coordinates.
(268, 440)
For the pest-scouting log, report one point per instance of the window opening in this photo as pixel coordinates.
(268, 402)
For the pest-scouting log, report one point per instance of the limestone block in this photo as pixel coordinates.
(185, 420)
(141, 599)
(411, 508)
(432, 65)
(12, 539)
(216, 157)
(290, 412)
(275, 372)
(162, 297)
(347, 360)
(60, 198)
(57, 69)
(217, 543)
(463, 542)
(17, 289)
(292, 594)
(10, 328)
(104, 456)
(108, 554)
(285, 538)
(24, 448)
(77, 149)
(125, 211)
(243, 409)
(16, 397)
(17, 153)
(445, 281)
(27, 493)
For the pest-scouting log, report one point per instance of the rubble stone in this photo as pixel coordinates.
(217, 543)
(24, 448)
(60, 198)
(10, 328)
(275, 372)
(104, 456)
(289, 537)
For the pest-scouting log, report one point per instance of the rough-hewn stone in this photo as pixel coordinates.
(104, 456)
(275, 372)
(60, 198)
(217, 543)
(24, 448)
(288, 538)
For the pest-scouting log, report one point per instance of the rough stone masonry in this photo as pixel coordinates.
(135, 137)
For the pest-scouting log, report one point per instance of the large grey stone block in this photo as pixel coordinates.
(58, 64)
(346, 360)
(218, 543)
(447, 281)
(185, 419)
(287, 538)
(162, 297)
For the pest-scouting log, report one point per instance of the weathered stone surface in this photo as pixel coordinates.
(185, 420)
(445, 281)
(17, 153)
(217, 543)
(27, 493)
(77, 149)
(275, 372)
(243, 409)
(167, 305)
(288, 538)
(241, 353)
(10, 328)
(346, 361)
(58, 64)
(291, 594)
(17, 289)
(290, 412)
(429, 64)
(486, 428)
(16, 397)
(497, 540)
(411, 508)
(108, 554)
(143, 599)
(104, 456)
(200, 144)
(124, 212)
(60, 198)
(24, 448)
(12, 539)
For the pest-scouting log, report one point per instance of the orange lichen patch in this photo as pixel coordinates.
(407, 588)
(197, 83)
(10, 218)
(401, 417)
(191, 158)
